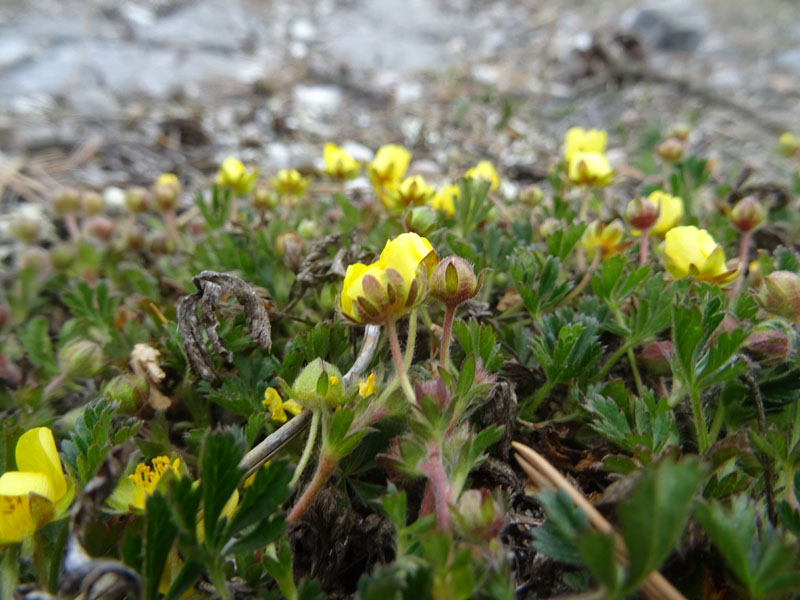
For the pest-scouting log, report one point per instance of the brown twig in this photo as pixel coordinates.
(545, 476)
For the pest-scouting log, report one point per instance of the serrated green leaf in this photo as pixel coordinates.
(219, 465)
(160, 532)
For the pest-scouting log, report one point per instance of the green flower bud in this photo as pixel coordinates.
(137, 200)
(166, 191)
(33, 258)
(420, 219)
(780, 295)
(770, 346)
(66, 202)
(478, 516)
(92, 203)
(680, 132)
(263, 199)
(319, 385)
(128, 390)
(454, 281)
(62, 256)
(747, 214)
(25, 229)
(671, 150)
(531, 196)
(81, 358)
(308, 229)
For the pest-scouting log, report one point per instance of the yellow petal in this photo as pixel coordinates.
(293, 407)
(22, 483)
(405, 253)
(579, 140)
(670, 211)
(389, 165)
(589, 168)
(485, 170)
(16, 521)
(445, 199)
(36, 452)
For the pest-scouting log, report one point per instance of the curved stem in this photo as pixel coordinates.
(447, 328)
(411, 340)
(699, 421)
(325, 467)
(397, 355)
(312, 436)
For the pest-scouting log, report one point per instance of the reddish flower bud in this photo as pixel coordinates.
(747, 214)
(137, 200)
(656, 357)
(641, 213)
(671, 150)
(680, 132)
(769, 346)
(92, 203)
(100, 227)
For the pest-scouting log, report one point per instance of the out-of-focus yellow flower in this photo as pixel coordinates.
(606, 239)
(389, 166)
(145, 479)
(578, 140)
(788, 144)
(38, 492)
(670, 212)
(485, 170)
(391, 286)
(251, 478)
(228, 511)
(412, 191)
(289, 182)
(367, 388)
(689, 251)
(445, 199)
(277, 407)
(589, 168)
(232, 174)
(338, 163)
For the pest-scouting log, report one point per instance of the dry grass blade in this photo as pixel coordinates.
(545, 476)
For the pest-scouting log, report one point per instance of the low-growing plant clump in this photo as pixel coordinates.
(356, 383)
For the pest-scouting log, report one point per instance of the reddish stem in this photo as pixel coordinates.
(426, 506)
(325, 467)
(71, 222)
(397, 356)
(447, 328)
(437, 479)
(644, 246)
(744, 252)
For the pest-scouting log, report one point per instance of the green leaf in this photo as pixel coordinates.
(654, 517)
(265, 533)
(190, 572)
(35, 338)
(598, 551)
(219, 465)
(565, 523)
(561, 243)
(467, 375)
(160, 532)
(268, 492)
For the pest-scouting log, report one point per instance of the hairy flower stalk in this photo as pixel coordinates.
(438, 485)
(397, 357)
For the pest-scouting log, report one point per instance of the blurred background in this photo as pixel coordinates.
(100, 93)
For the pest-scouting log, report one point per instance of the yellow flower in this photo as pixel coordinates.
(788, 144)
(445, 199)
(145, 479)
(689, 251)
(412, 191)
(278, 407)
(607, 239)
(367, 388)
(338, 163)
(579, 140)
(485, 170)
(232, 174)
(38, 492)
(228, 511)
(389, 166)
(391, 286)
(589, 168)
(289, 182)
(670, 212)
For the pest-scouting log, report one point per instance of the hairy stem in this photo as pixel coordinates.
(644, 246)
(397, 356)
(312, 436)
(699, 419)
(325, 467)
(440, 487)
(411, 340)
(447, 328)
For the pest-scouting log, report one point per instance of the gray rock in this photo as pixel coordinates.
(670, 25)
(789, 59)
(13, 49)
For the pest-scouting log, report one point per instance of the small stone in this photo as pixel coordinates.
(670, 25)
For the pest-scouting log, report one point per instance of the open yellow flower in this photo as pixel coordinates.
(289, 182)
(277, 407)
(338, 163)
(689, 251)
(412, 191)
(606, 239)
(670, 211)
(589, 168)
(389, 166)
(579, 140)
(232, 174)
(35, 494)
(393, 285)
(446, 199)
(485, 170)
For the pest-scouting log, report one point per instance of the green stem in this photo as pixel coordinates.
(583, 282)
(613, 360)
(40, 561)
(716, 423)
(397, 356)
(217, 574)
(538, 398)
(9, 571)
(411, 340)
(637, 378)
(699, 421)
(312, 436)
(447, 328)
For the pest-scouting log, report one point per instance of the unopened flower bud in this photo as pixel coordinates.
(128, 390)
(137, 200)
(81, 358)
(788, 144)
(166, 191)
(656, 357)
(100, 227)
(680, 132)
(420, 219)
(747, 214)
(25, 229)
(478, 516)
(548, 227)
(264, 199)
(454, 281)
(66, 202)
(531, 196)
(671, 150)
(308, 229)
(62, 255)
(780, 295)
(160, 244)
(642, 214)
(769, 346)
(92, 203)
(319, 385)
(290, 247)
(134, 240)
(33, 258)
